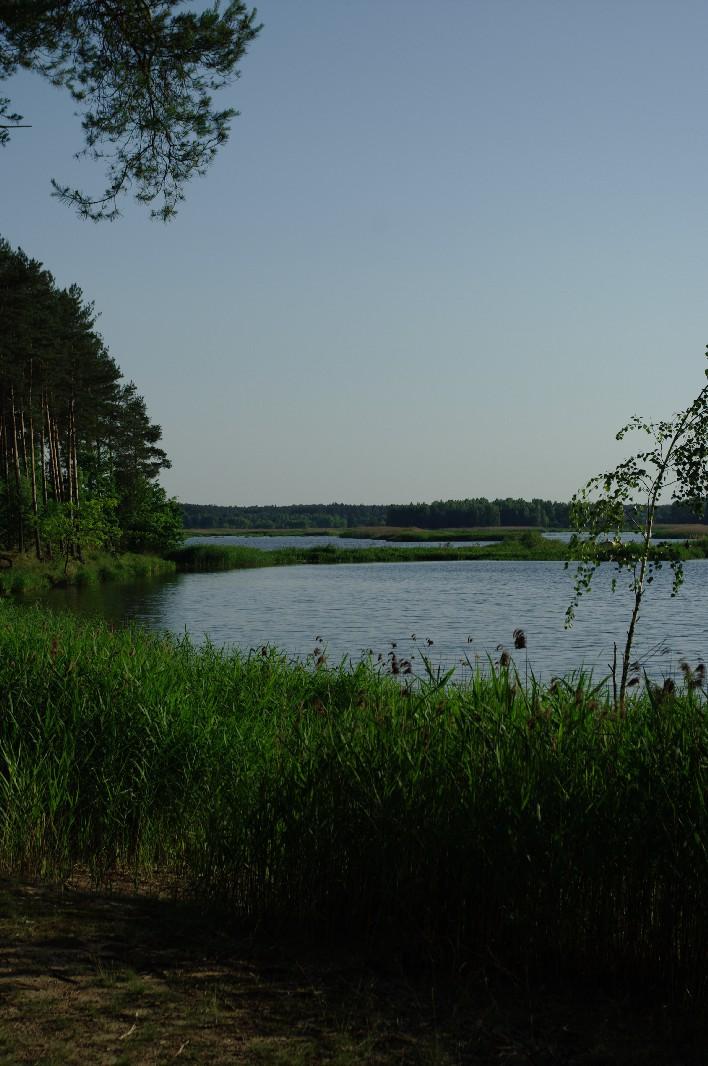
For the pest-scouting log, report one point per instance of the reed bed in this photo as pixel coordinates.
(27, 574)
(203, 557)
(442, 821)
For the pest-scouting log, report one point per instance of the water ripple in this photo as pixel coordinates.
(370, 605)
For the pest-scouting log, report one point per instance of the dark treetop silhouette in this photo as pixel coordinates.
(143, 72)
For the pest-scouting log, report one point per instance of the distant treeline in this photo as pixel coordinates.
(449, 514)
(453, 514)
(440, 514)
(295, 516)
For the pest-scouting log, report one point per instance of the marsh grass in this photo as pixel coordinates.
(203, 557)
(441, 820)
(414, 533)
(29, 575)
(528, 545)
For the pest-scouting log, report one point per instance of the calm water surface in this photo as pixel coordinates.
(322, 540)
(465, 608)
(271, 543)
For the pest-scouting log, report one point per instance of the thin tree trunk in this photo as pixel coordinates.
(35, 508)
(18, 475)
(44, 456)
(639, 592)
(5, 462)
(56, 463)
(50, 451)
(43, 453)
(74, 464)
(5, 456)
(75, 452)
(656, 489)
(23, 438)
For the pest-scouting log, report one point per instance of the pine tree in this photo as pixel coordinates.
(143, 71)
(79, 456)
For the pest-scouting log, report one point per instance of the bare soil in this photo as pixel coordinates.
(124, 979)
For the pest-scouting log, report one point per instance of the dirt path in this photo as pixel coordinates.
(129, 980)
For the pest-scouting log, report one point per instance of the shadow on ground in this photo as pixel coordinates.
(126, 979)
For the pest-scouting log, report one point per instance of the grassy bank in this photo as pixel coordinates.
(687, 531)
(392, 533)
(384, 533)
(442, 822)
(526, 545)
(684, 531)
(413, 533)
(194, 557)
(27, 574)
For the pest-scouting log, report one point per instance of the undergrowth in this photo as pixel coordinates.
(27, 574)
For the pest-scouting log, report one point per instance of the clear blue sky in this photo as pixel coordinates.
(449, 249)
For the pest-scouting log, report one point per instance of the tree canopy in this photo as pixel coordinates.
(79, 456)
(143, 72)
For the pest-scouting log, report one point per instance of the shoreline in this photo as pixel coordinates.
(690, 531)
(29, 575)
(527, 547)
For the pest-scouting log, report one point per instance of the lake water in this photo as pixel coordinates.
(628, 538)
(267, 543)
(466, 608)
(322, 541)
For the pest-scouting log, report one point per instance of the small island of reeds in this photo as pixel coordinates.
(518, 546)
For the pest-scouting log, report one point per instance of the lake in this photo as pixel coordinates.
(266, 543)
(465, 608)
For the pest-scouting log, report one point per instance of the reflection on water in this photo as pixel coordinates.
(466, 609)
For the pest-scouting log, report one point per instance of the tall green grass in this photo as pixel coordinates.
(200, 557)
(445, 821)
(27, 574)
(416, 534)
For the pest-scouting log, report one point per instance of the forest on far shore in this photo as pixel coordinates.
(441, 514)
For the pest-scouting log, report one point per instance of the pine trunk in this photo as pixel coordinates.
(43, 454)
(35, 508)
(18, 474)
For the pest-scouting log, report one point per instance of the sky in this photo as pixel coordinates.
(448, 250)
